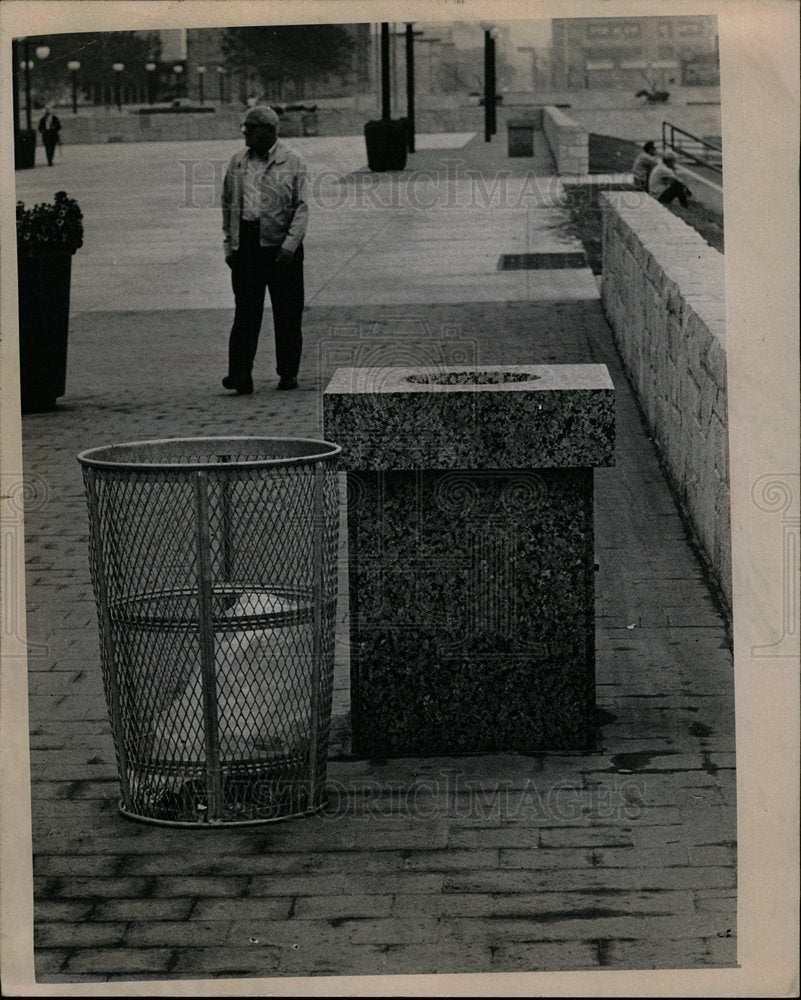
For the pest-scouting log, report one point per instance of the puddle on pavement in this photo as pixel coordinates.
(627, 763)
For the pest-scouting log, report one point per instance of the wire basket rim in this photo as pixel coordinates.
(87, 457)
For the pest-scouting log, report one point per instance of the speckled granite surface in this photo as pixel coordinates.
(471, 553)
(498, 417)
(471, 611)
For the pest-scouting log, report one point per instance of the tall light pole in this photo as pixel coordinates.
(178, 69)
(201, 73)
(118, 67)
(73, 66)
(490, 34)
(409, 35)
(386, 113)
(410, 81)
(221, 77)
(27, 66)
(150, 69)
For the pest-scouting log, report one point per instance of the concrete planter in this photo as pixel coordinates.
(44, 310)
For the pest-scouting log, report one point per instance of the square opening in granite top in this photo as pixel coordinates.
(490, 379)
(472, 378)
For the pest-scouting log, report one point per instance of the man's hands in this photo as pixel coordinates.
(283, 257)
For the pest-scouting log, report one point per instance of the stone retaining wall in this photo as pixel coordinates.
(662, 291)
(568, 140)
(100, 126)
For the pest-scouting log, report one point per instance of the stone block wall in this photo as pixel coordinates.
(568, 140)
(662, 291)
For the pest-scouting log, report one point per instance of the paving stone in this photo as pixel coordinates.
(535, 956)
(342, 907)
(389, 931)
(345, 883)
(85, 935)
(599, 879)
(144, 910)
(177, 934)
(120, 960)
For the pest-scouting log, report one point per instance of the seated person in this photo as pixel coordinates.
(643, 164)
(664, 183)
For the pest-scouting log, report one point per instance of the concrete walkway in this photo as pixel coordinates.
(619, 859)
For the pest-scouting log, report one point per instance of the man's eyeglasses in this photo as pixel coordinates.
(250, 126)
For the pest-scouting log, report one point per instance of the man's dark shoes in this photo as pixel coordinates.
(288, 382)
(243, 385)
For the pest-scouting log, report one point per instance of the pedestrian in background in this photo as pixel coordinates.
(664, 183)
(644, 162)
(50, 127)
(265, 212)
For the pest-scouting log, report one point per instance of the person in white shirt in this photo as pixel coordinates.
(265, 212)
(664, 183)
(644, 162)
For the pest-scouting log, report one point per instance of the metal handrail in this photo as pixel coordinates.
(673, 129)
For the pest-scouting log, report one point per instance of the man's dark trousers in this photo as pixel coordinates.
(674, 190)
(255, 269)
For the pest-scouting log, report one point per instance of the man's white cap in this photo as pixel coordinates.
(262, 115)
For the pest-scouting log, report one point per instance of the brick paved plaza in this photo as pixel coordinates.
(620, 859)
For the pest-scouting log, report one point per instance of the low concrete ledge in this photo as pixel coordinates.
(663, 294)
(569, 142)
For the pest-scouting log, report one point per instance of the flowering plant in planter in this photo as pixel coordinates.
(49, 227)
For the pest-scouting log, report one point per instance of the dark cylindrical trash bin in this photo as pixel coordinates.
(214, 568)
(387, 143)
(521, 137)
(25, 149)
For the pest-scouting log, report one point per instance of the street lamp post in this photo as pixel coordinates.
(410, 82)
(150, 69)
(221, 77)
(490, 33)
(178, 69)
(118, 67)
(201, 73)
(73, 66)
(24, 142)
(385, 99)
(27, 65)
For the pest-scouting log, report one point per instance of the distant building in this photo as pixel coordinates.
(597, 52)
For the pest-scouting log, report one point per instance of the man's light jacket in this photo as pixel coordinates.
(284, 209)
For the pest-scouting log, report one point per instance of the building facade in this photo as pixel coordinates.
(634, 52)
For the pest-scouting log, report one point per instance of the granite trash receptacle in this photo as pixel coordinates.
(213, 563)
(471, 553)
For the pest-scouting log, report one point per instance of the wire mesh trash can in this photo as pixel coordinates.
(214, 566)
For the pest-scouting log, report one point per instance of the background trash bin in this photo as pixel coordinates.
(25, 149)
(521, 137)
(387, 144)
(213, 563)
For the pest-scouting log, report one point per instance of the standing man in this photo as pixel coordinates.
(265, 212)
(49, 126)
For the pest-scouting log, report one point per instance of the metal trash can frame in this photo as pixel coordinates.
(214, 567)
